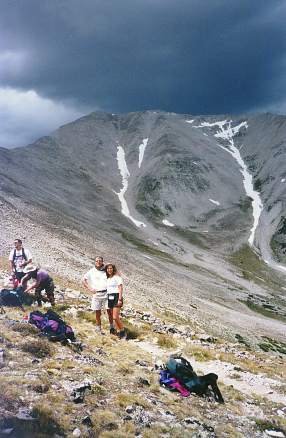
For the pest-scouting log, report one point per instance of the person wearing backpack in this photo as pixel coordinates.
(42, 281)
(18, 259)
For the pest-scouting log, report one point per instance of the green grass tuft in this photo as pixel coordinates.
(166, 341)
(255, 269)
(39, 348)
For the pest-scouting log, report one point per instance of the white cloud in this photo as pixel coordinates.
(25, 116)
(12, 63)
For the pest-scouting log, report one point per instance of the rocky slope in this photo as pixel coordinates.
(110, 387)
(231, 293)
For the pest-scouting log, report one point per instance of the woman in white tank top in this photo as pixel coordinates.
(114, 296)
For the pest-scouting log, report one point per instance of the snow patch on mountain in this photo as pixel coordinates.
(190, 121)
(214, 202)
(123, 169)
(227, 132)
(142, 148)
(167, 223)
(153, 242)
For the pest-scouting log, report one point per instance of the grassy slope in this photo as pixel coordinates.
(110, 365)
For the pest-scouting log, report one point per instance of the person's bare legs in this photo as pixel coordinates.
(111, 322)
(110, 316)
(116, 318)
(98, 320)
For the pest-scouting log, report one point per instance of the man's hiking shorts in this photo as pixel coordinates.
(99, 300)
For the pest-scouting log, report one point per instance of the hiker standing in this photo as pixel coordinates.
(18, 259)
(42, 281)
(114, 296)
(95, 281)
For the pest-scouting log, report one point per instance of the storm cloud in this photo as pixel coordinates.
(186, 56)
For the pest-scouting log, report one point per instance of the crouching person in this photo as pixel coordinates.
(42, 281)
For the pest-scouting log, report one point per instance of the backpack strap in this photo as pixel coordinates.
(186, 362)
(24, 254)
(183, 361)
(14, 256)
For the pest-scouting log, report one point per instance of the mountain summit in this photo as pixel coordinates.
(177, 180)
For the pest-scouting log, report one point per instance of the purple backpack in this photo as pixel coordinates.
(52, 326)
(38, 319)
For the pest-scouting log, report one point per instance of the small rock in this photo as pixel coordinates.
(207, 338)
(142, 381)
(172, 329)
(79, 393)
(238, 369)
(208, 428)
(130, 409)
(275, 433)
(191, 420)
(141, 363)
(169, 413)
(141, 417)
(159, 365)
(280, 413)
(101, 352)
(77, 432)
(87, 421)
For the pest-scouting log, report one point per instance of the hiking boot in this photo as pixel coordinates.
(112, 331)
(122, 334)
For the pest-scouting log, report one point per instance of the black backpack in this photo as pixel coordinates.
(180, 368)
(24, 297)
(183, 371)
(10, 298)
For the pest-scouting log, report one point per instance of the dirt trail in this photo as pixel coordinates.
(248, 383)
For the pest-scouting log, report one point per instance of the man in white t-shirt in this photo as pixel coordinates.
(95, 281)
(19, 257)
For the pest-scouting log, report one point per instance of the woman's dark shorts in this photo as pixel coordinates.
(112, 300)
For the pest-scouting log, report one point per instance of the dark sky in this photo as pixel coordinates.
(60, 59)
